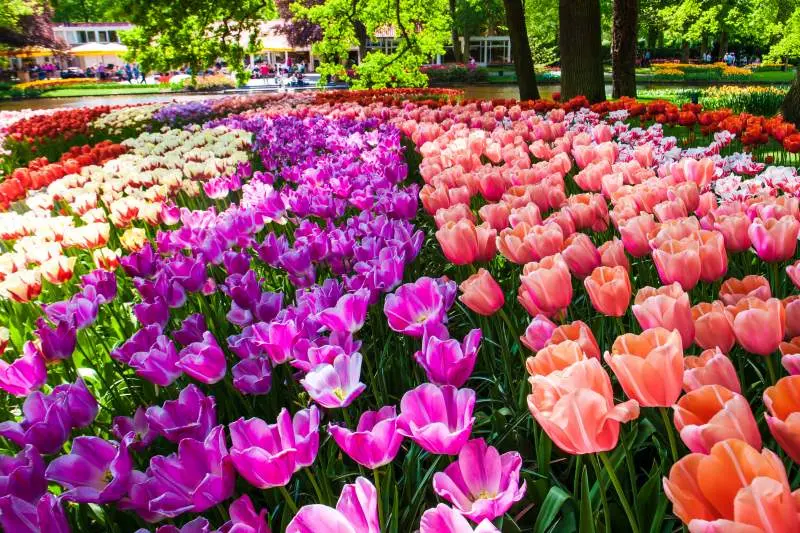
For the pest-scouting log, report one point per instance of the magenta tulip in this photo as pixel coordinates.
(439, 419)
(355, 512)
(448, 362)
(375, 442)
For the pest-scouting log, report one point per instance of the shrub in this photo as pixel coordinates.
(456, 73)
(214, 82)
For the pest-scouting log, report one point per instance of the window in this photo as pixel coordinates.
(102, 36)
(91, 36)
(112, 36)
(82, 37)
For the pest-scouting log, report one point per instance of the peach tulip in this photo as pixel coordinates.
(670, 210)
(678, 229)
(511, 243)
(529, 214)
(791, 308)
(496, 215)
(563, 220)
(576, 409)
(612, 253)
(458, 241)
(554, 357)
(793, 271)
(666, 307)
(609, 290)
(774, 240)
(678, 260)
(649, 366)
(711, 327)
(734, 229)
(548, 283)
(782, 401)
(580, 254)
(706, 203)
(713, 257)
(481, 293)
(688, 193)
(544, 240)
(733, 289)
(712, 367)
(711, 414)
(634, 233)
(758, 325)
(579, 332)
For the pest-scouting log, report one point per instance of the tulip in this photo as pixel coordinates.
(22, 476)
(576, 408)
(612, 253)
(337, 384)
(758, 325)
(735, 231)
(448, 362)
(252, 375)
(711, 414)
(774, 240)
(22, 286)
(481, 484)
(26, 374)
(349, 313)
(95, 471)
(276, 338)
(355, 512)
(58, 270)
(554, 357)
(649, 366)
(733, 290)
(42, 516)
(376, 440)
(538, 333)
(548, 283)
(192, 416)
(513, 245)
(579, 332)
(267, 455)
(458, 241)
(793, 271)
(481, 293)
(59, 342)
(106, 259)
(712, 367)
(782, 401)
(711, 328)
(204, 361)
(696, 494)
(134, 239)
(609, 290)
(453, 213)
(580, 255)
(417, 307)
(495, 215)
(528, 214)
(444, 519)
(438, 419)
(713, 258)
(634, 234)
(791, 308)
(678, 260)
(790, 355)
(136, 429)
(666, 307)
(244, 518)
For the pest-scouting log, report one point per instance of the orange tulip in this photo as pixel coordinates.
(548, 283)
(579, 332)
(720, 485)
(554, 357)
(678, 260)
(575, 407)
(711, 414)
(649, 366)
(666, 307)
(758, 325)
(512, 244)
(733, 290)
(580, 254)
(782, 401)
(481, 293)
(609, 290)
(711, 328)
(612, 253)
(712, 367)
(713, 257)
(790, 356)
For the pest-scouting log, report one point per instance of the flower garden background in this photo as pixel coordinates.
(396, 311)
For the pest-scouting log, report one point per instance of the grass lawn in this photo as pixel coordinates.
(106, 91)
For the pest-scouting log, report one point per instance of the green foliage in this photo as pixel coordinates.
(789, 44)
(421, 27)
(541, 19)
(83, 10)
(12, 10)
(456, 73)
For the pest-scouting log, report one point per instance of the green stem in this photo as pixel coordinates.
(599, 473)
(289, 501)
(773, 376)
(621, 493)
(314, 483)
(673, 445)
(377, 476)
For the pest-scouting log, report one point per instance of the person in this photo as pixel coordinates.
(647, 58)
(128, 72)
(264, 70)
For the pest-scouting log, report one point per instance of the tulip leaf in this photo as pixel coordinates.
(586, 523)
(549, 509)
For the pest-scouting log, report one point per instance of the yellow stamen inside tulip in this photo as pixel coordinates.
(485, 495)
(339, 393)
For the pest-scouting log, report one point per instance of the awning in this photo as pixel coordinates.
(99, 49)
(29, 51)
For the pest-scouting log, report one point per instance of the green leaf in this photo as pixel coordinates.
(586, 524)
(550, 507)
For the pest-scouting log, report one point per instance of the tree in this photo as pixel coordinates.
(789, 46)
(83, 10)
(623, 48)
(521, 50)
(26, 23)
(419, 30)
(581, 53)
(541, 20)
(298, 31)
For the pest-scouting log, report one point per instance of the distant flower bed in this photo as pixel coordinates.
(456, 73)
(56, 83)
(205, 83)
(739, 99)
(702, 71)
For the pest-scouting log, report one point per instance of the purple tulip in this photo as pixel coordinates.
(244, 345)
(448, 362)
(26, 374)
(267, 455)
(276, 339)
(95, 471)
(197, 478)
(416, 307)
(56, 343)
(538, 333)
(244, 518)
(189, 273)
(204, 361)
(103, 283)
(22, 475)
(253, 375)
(198, 525)
(141, 492)
(375, 442)
(136, 429)
(236, 262)
(335, 385)
(141, 264)
(152, 354)
(349, 314)
(79, 404)
(192, 329)
(439, 419)
(308, 356)
(356, 511)
(444, 519)
(192, 416)
(155, 312)
(481, 484)
(43, 516)
(80, 311)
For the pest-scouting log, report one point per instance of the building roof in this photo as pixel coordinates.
(66, 25)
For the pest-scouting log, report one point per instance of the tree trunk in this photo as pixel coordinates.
(623, 47)
(703, 47)
(790, 109)
(454, 34)
(723, 43)
(684, 51)
(361, 34)
(466, 54)
(652, 37)
(581, 54)
(521, 49)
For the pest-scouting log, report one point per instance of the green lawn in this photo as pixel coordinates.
(106, 91)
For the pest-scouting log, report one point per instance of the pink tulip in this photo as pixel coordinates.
(355, 512)
(774, 240)
(678, 260)
(443, 519)
(548, 283)
(335, 385)
(612, 253)
(712, 367)
(759, 326)
(448, 362)
(580, 254)
(438, 419)
(496, 215)
(375, 442)
(634, 233)
(481, 293)
(666, 307)
(538, 333)
(793, 271)
(735, 230)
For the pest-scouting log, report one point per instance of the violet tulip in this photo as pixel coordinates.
(415, 307)
(482, 484)
(137, 429)
(95, 471)
(26, 374)
(375, 441)
(252, 375)
(355, 512)
(56, 343)
(448, 362)
(43, 516)
(349, 313)
(439, 419)
(204, 360)
(22, 475)
(444, 519)
(191, 416)
(337, 384)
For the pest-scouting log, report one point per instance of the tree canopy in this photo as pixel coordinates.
(26, 23)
